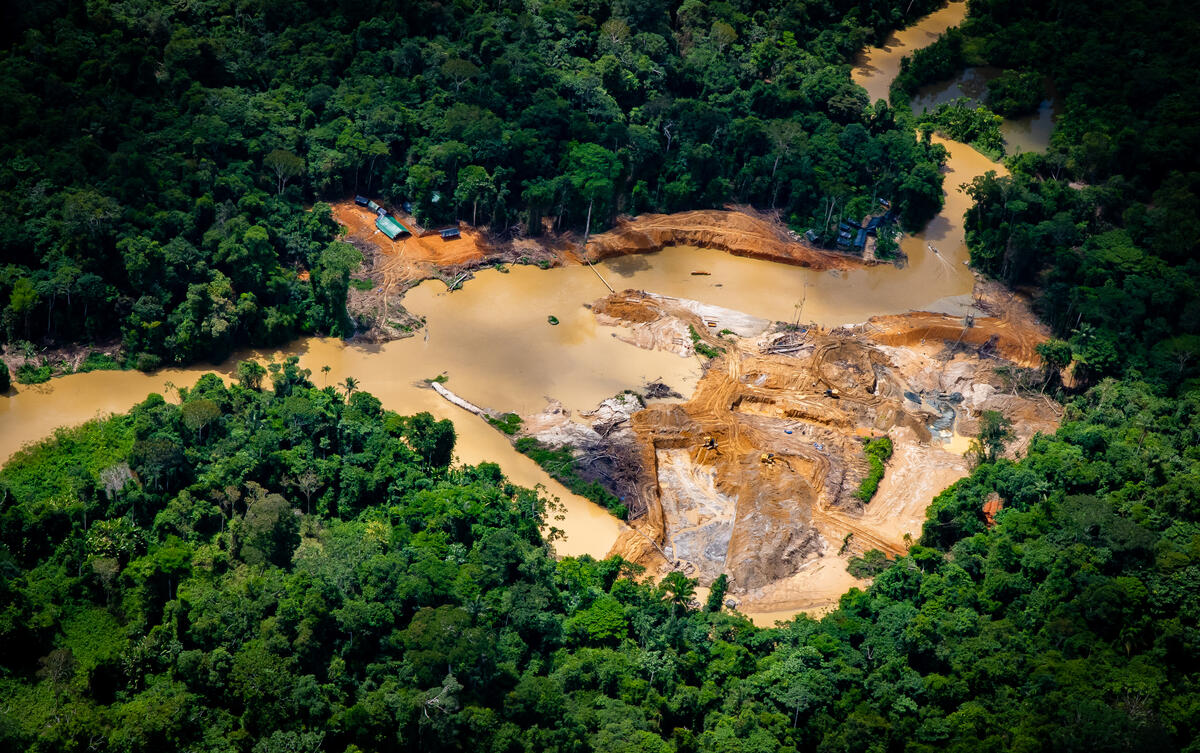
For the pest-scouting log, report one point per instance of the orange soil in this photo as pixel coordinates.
(627, 307)
(777, 529)
(738, 232)
(430, 249)
(741, 233)
(1013, 341)
(1016, 330)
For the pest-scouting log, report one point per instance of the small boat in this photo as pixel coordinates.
(698, 272)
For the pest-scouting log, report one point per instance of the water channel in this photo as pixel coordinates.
(493, 341)
(878, 67)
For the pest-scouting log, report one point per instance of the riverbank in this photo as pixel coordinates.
(741, 232)
(757, 475)
(492, 339)
(393, 267)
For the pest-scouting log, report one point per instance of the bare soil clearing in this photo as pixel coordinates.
(741, 232)
(395, 266)
(1011, 331)
(755, 476)
(419, 247)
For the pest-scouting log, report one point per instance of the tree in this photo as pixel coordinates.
(995, 432)
(716, 594)
(432, 440)
(474, 184)
(886, 243)
(615, 32)
(5, 379)
(250, 374)
(269, 532)
(921, 195)
(459, 71)
(722, 35)
(350, 385)
(199, 413)
(679, 589)
(58, 667)
(307, 482)
(538, 195)
(157, 458)
(785, 135)
(285, 165)
(592, 171)
(603, 623)
(331, 281)
(1056, 356)
(23, 300)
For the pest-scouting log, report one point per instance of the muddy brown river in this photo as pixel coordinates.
(493, 341)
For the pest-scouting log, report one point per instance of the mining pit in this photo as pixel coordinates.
(755, 475)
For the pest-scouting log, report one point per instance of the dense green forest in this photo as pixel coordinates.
(157, 159)
(1106, 224)
(291, 569)
(269, 566)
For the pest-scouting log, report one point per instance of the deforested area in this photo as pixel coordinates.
(544, 375)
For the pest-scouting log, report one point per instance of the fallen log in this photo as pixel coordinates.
(465, 405)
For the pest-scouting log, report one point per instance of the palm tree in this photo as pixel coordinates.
(325, 375)
(350, 385)
(681, 588)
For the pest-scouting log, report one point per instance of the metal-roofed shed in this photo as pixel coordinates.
(390, 227)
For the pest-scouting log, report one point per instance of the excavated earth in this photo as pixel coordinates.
(739, 232)
(703, 493)
(784, 527)
(395, 266)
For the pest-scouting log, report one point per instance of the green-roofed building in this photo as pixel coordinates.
(390, 227)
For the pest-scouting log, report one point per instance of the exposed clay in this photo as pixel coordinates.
(601, 440)
(717, 503)
(741, 232)
(667, 322)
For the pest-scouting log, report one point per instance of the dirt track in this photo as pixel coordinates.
(740, 233)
